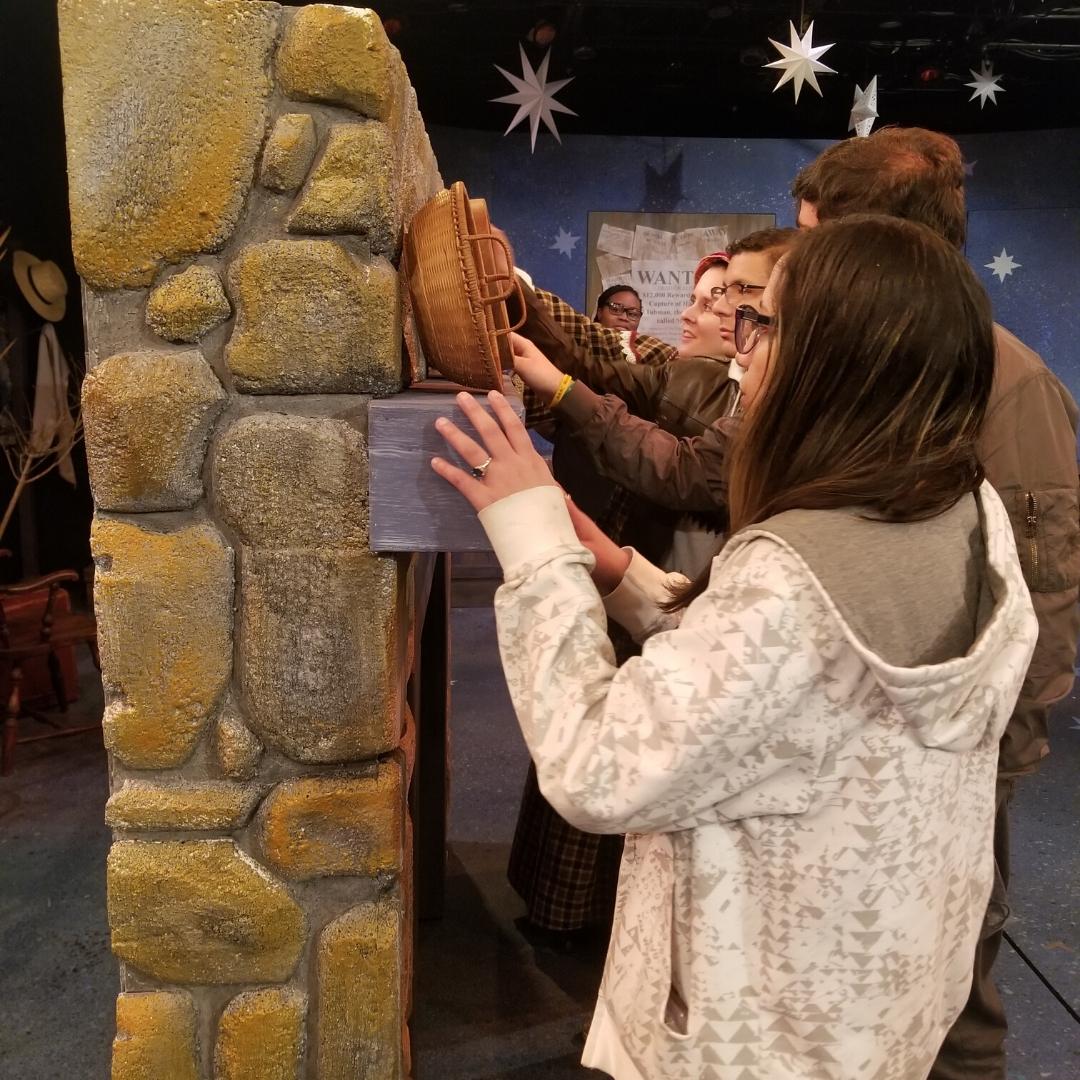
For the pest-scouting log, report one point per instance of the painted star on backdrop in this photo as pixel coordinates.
(1076, 724)
(1001, 266)
(969, 167)
(565, 243)
(799, 61)
(864, 109)
(534, 96)
(985, 86)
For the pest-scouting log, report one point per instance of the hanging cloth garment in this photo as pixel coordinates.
(53, 426)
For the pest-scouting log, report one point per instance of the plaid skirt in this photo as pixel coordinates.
(566, 877)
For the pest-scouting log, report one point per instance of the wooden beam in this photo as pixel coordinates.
(411, 508)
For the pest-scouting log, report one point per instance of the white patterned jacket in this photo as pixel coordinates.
(808, 860)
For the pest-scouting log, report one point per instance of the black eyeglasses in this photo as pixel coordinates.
(622, 309)
(739, 289)
(750, 324)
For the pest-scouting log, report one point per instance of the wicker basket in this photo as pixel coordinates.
(457, 295)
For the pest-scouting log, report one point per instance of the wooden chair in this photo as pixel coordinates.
(23, 639)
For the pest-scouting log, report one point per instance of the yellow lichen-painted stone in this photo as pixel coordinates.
(238, 750)
(155, 1037)
(352, 189)
(187, 305)
(185, 804)
(418, 176)
(313, 319)
(337, 826)
(148, 417)
(164, 605)
(165, 109)
(319, 652)
(293, 481)
(200, 911)
(359, 975)
(338, 55)
(288, 152)
(261, 1035)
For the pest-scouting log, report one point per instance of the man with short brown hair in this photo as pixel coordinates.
(909, 173)
(1028, 449)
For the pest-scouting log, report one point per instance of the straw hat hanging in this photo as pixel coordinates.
(42, 283)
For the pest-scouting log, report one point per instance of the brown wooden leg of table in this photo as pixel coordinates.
(57, 678)
(430, 697)
(11, 720)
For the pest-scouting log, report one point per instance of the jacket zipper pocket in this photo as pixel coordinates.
(1032, 532)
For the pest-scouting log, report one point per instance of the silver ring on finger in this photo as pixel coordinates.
(479, 470)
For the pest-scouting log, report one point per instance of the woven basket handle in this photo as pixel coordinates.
(510, 279)
(515, 291)
(513, 285)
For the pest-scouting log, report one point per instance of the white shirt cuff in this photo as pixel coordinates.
(635, 602)
(525, 276)
(528, 524)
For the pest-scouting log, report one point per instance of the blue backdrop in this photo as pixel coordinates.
(1023, 197)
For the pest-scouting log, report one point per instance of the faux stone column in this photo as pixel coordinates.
(240, 173)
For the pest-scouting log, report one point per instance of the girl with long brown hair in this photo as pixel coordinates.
(803, 758)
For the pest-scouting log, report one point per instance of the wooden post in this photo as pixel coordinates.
(429, 697)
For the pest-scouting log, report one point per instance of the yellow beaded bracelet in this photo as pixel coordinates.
(563, 389)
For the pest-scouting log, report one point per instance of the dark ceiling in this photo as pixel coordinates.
(694, 67)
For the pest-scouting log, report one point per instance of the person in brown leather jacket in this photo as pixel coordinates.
(1027, 448)
(685, 398)
(657, 389)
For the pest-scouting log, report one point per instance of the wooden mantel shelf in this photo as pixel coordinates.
(411, 508)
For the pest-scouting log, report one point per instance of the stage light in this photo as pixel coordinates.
(543, 33)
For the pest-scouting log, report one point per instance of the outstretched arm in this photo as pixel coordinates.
(671, 737)
(682, 473)
(595, 355)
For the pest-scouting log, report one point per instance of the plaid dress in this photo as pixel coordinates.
(566, 877)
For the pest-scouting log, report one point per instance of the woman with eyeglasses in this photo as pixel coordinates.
(618, 307)
(803, 757)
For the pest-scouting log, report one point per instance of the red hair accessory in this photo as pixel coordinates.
(717, 258)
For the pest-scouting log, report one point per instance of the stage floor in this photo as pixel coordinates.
(488, 1003)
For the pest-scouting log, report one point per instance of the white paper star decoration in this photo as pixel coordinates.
(799, 61)
(565, 243)
(534, 96)
(1001, 266)
(864, 109)
(985, 86)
